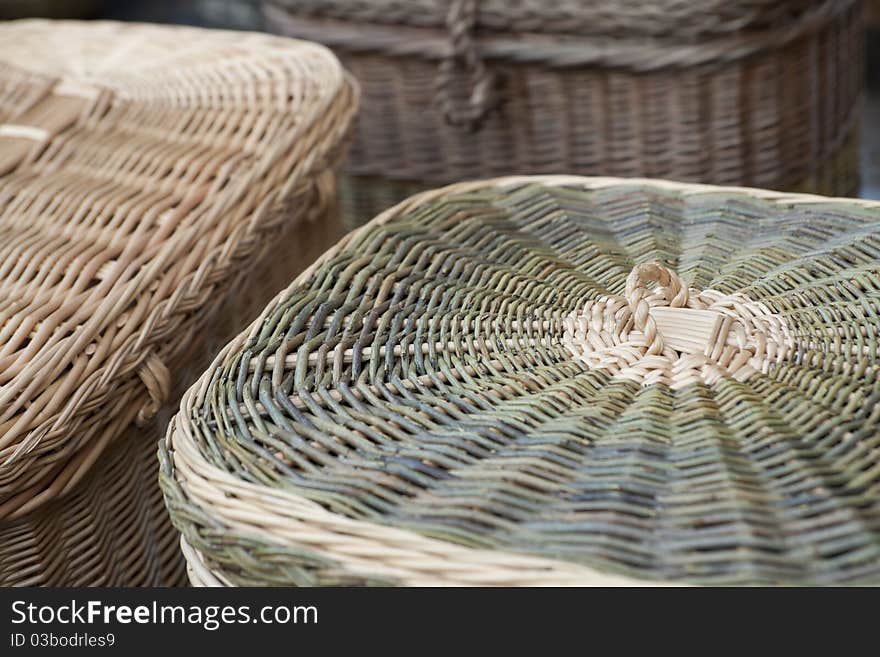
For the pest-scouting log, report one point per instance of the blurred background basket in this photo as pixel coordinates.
(144, 187)
(12, 9)
(746, 92)
(551, 381)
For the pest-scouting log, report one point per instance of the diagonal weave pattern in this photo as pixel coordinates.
(411, 411)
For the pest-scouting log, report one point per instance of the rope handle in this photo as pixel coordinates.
(464, 59)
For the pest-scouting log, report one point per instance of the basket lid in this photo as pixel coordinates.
(138, 168)
(530, 380)
(626, 18)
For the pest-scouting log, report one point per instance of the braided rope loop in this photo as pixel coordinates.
(636, 298)
(157, 380)
(464, 59)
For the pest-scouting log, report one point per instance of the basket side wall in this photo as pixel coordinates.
(113, 529)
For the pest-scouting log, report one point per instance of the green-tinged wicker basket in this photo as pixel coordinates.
(148, 176)
(736, 92)
(551, 380)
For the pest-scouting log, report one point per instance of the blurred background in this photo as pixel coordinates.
(871, 118)
(246, 14)
(229, 14)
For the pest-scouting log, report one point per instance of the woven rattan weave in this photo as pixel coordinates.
(748, 92)
(146, 175)
(552, 380)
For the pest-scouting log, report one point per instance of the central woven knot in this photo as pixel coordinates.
(674, 334)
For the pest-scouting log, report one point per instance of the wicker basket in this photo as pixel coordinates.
(743, 92)
(147, 175)
(551, 380)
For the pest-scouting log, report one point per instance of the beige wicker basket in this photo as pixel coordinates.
(555, 380)
(743, 92)
(146, 174)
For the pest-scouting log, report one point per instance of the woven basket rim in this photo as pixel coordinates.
(628, 51)
(636, 17)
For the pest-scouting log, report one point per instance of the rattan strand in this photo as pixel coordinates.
(148, 174)
(422, 405)
(771, 104)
